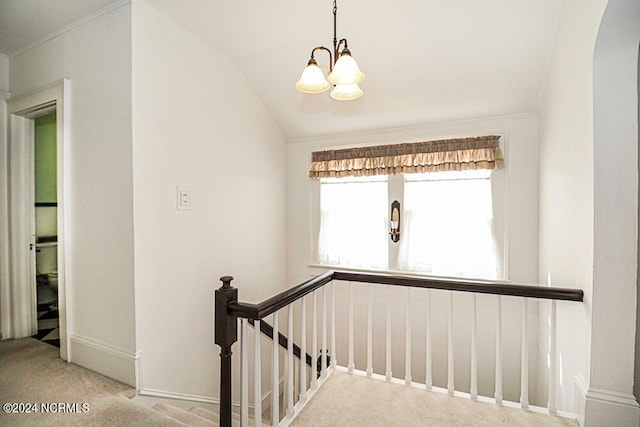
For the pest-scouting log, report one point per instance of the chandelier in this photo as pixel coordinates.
(344, 73)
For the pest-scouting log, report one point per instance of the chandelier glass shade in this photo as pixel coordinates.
(344, 72)
(312, 79)
(346, 92)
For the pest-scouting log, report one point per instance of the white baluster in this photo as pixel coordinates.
(369, 336)
(257, 377)
(303, 352)
(323, 350)
(296, 380)
(388, 374)
(314, 342)
(289, 373)
(551, 405)
(428, 361)
(244, 373)
(275, 375)
(524, 367)
(499, 352)
(407, 350)
(474, 349)
(351, 365)
(285, 383)
(450, 362)
(334, 360)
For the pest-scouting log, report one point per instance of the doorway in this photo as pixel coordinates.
(45, 233)
(37, 185)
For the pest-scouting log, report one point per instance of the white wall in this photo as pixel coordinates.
(4, 73)
(615, 259)
(198, 124)
(4, 243)
(636, 376)
(566, 188)
(96, 57)
(521, 135)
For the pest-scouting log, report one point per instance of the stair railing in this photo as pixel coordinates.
(228, 310)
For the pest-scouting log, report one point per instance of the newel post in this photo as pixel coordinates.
(226, 333)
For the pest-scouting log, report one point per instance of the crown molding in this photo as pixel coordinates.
(71, 26)
(345, 137)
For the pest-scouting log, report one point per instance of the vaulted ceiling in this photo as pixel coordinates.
(425, 61)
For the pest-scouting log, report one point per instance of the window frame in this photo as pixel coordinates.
(382, 181)
(395, 191)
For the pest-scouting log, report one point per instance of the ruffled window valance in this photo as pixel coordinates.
(460, 154)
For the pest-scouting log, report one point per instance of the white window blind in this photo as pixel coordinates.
(448, 225)
(353, 223)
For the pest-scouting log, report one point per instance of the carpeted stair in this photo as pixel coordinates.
(196, 416)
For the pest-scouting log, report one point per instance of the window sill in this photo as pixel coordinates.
(326, 267)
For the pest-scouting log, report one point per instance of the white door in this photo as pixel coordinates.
(22, 228)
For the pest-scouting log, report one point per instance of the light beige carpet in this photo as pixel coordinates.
(32, 372)
(351, 400)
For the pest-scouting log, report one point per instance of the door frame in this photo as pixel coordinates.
(21, 111)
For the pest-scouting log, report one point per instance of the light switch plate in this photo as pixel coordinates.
(184, 199)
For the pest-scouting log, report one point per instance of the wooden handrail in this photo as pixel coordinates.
(476, 286)
(271, 305)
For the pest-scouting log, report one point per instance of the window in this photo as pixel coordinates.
(353, 222)
(448, 225)
(452, 209)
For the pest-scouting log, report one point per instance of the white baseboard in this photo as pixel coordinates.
(150, 401)
(169, 395)
(108, 360)
(599, 407)
(194, 400)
